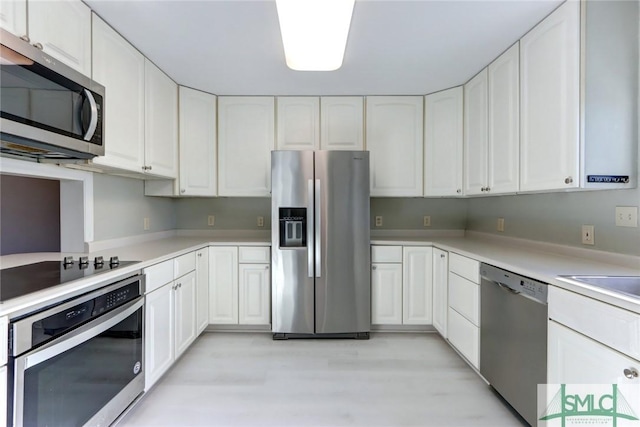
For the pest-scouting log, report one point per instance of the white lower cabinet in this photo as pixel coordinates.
(401, 285)
(464, 336)
(440, 290)
(386, 294)
(170, 314)
(239, 285)
(3, 396)
(202, 290)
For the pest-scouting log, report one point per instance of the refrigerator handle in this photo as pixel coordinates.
(317, 224)
(310, 228)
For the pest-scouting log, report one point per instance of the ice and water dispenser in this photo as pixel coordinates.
(293, 227)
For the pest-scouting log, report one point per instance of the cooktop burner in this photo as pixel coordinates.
(25, 279)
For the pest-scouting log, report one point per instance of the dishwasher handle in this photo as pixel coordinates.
(507, 288)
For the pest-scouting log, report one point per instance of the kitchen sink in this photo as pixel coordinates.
(628, 285)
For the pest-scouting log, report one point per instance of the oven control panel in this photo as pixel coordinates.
(115, 298)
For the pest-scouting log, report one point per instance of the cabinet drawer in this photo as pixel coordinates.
(464, 297)
(610, 325)
(158, 275)
(254, 255)
(4, 332)
(184, 264)
(465, 267)
(386, 253)
(465, 336)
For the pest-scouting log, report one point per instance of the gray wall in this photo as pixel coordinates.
(29, 215)
(233, 213)
(558, 218)
(408, 213)
(120, 207)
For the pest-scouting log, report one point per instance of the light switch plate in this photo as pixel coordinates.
(626, 216)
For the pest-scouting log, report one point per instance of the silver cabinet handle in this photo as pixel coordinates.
(487, 189)
(374, 267)
(630, 373)
(200, 254)
(266, 267)
(183, 191)
(25, 38)
(441, 255)
(149, 167)
(568, 180)
(458, 191)
(38, 46)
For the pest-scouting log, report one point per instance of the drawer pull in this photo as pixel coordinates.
(630, 373)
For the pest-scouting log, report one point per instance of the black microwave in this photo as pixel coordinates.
(47, 109)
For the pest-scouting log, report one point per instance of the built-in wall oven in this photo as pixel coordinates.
(80, 362)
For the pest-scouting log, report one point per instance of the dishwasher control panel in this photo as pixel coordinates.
(516, 283)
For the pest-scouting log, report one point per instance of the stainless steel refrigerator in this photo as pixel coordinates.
(320, 258)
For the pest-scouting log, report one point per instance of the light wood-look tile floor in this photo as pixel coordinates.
(393, 379)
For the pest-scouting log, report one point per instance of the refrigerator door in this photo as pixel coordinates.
(343, 283)
(292, 294)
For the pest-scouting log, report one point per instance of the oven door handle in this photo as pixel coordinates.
(82, 334)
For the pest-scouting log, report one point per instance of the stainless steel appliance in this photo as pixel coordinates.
(79, 362)
(513, 337)
(47, 109)
(320, 255)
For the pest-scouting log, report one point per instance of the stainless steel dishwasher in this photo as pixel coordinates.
(513, 337)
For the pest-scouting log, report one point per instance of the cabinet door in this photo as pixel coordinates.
(161, 123)
(202, 293)
(198, 143)
(440, 290)
(63, 28)
(120, 68)
(13, 17)
(576, 359)
(465, 336)
(386, 294)
(341, 123)
(443, 143)
(185, 311)
(394, 140)
(475, 134)
(417, 285)
(246, 138)
(223, 285)
(3, 396)
(549, 101)
(298, 123)
(254, 296)
(159, 350)
(504, 122)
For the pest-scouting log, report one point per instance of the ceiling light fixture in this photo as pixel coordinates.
(314, 32)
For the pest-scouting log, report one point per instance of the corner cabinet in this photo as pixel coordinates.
(245, 142)
(443, 143)
(476, 136)
(342, 123)
(394, 129)
(550, 96)
(239, 285)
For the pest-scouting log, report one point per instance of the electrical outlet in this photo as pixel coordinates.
(378, 221)
(500, 225)
(146, 223)
(626, 216)
(260, 221)
(426, 221)
(211, 220)
(588, 237)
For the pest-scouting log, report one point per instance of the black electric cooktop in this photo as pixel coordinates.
(25, 279)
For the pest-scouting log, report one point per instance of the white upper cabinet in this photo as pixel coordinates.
(443, 138)
(198, 143)
(245, 142)
(63, 29)
(13, 17)
(298, 126)
(121, 69)
(394, 139)
(476, 136)
(161, 123)
(504, 123)
(549, 100)
(341, 123)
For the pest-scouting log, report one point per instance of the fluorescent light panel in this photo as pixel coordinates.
(314, 32)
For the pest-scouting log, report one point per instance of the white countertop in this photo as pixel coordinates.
(539, 261)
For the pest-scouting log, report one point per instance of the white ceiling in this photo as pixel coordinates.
(395, 47)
